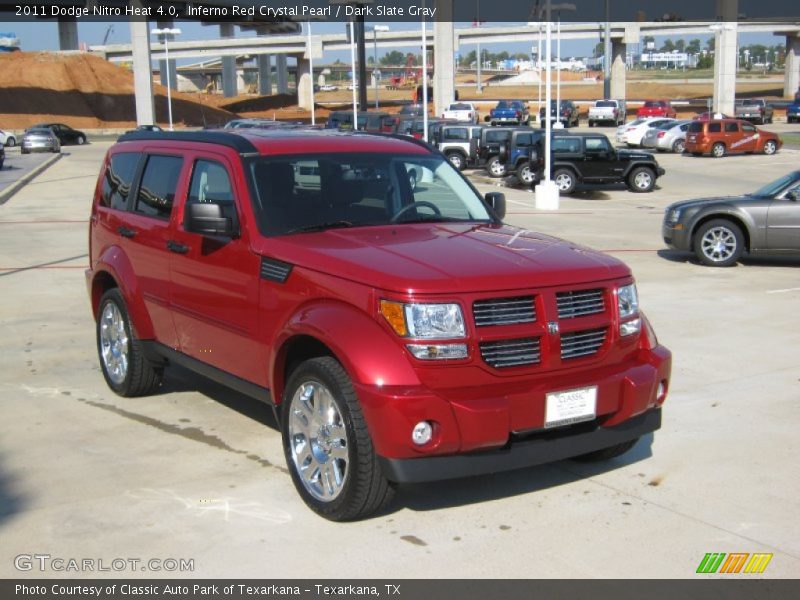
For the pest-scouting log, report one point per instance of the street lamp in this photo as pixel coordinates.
(165, 35)
(559, 8)
(376, 73)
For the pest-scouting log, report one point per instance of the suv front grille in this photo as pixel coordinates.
(582, 343)
(504, 311)
(511, 353)
(578, 304)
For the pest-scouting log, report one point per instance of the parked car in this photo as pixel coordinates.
(667, 137)
(631, 134)
(509, 112)
(755, 110)
(461, 111)
(567, 113)
(434, 129)
(65, 133)
(329, 88)
(372, 121)
(39, 139)
(459, 143)
(589, 158)
(492, 147)
(608, 111)
(793, 112)
(522, 153)
(721, 230)
(2, 155)
(657, 108)
(340, 119)
(412, 110)
(7, 138)
(729, 136)
(401, 334)
(708, 116)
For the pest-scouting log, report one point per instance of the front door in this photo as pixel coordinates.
(600, 161)
(783, 222)
(214, 280)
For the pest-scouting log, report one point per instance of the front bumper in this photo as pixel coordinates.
(677, 236)
(536, 450)
(470, 422)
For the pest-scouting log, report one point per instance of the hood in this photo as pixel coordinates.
(634, 155)
(436, 258)
(699, 202)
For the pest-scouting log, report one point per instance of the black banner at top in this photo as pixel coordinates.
(461, 11)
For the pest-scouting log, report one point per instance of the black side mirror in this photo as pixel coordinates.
(206, 218)
(497, 200)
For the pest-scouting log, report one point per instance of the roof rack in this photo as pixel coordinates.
(220, 138)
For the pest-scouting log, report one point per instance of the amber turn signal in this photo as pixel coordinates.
(394, 315)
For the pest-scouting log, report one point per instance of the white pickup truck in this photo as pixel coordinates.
(608, 111)
(461, 111)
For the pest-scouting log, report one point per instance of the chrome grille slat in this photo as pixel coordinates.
(582, 343)
(580, 303)
(511, 353)
(504, 311)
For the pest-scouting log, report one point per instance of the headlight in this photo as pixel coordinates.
(674, 215)
(628, 301)
(424, 321)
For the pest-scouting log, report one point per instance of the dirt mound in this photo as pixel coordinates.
(85, 91)
(255, 104)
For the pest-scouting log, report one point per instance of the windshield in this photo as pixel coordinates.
(296, 194)
(502, 104)
(605, 104)
(460, 107)
(752, 102)
(776, 187)
(653, 104)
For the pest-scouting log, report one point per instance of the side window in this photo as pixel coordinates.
(118, 179)
(525, 139)
(476, 134)
(748, 128)
(597, 145)
(210, 183)
(157, 190)
(566, 145)
(731, 127)
(457, 134)
(714, 127)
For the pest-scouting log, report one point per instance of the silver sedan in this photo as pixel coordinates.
(668, 137)
(40, 139)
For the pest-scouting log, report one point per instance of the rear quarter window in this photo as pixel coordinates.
(118, 179)
(695, 127)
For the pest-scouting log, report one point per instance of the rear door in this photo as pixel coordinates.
(733, 137)
(146, 233)
(214, 280)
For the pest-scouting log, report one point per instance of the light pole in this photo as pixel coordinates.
(424, 78)
(559, 8)
(311, 74)
(165, 34)
(376, 73)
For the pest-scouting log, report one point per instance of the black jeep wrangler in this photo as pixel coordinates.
(590, 158)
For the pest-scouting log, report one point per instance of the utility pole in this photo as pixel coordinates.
(607, 54)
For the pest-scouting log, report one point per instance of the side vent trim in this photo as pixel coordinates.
(275, 270)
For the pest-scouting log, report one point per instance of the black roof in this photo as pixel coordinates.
(220, 138)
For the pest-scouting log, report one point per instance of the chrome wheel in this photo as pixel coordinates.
(318, 441)
(679, 147)
(719, 244)
(718, 150)
(525, 174)
(496, 168)
(114, 343)
(563, 182)
(643, 180)
(770, 147)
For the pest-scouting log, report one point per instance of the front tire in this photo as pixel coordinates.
(80, 140)
(719, 243)
(565, 181)
(328, 448)
(641, 180)
(718, 150)
(770, 147)
(525, 174)
(126, 369)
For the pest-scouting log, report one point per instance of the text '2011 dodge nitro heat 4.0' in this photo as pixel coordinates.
(360, 285)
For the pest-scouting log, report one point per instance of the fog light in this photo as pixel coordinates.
(630, 328)
(422, 433)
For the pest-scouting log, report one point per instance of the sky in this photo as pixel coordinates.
(44, 36)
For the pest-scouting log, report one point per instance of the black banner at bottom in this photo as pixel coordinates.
(406, 589)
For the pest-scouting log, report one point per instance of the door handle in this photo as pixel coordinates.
(173, 246)
(125, 232)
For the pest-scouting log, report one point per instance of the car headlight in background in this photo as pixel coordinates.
(628, 303)
(674, 215)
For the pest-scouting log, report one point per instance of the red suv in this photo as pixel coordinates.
(361, 286)
(657, 108)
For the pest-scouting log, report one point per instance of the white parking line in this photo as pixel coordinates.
(786, 291)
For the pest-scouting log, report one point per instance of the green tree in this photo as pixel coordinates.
(694, 46)
(469, 58)
(599, 49)
(680, 45)
(711, 43)
(393, 58)
(667, 46)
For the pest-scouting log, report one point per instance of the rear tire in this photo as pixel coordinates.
(457, 160)
(126, 369)
(770, 147)
(565, 181)
(328, 448)
(496, 168)
(80, 140)
(607, 453)
(679, 146)
(11, 141)
(718, 150)
(525, 174)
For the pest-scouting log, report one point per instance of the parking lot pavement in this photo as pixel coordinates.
(197, 471)
(18, 166)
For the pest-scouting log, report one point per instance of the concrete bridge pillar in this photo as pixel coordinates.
(619, 50)
(791, 83)
(264, 74)
(282, 73)
(229, 85)
(142, 73)
(68, 35)
(444, 64)
(303, 81)
(725, 56)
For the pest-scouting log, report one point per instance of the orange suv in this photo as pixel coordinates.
(719, 137)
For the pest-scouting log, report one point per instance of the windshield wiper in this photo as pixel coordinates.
(320, 227)
(430, 219)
